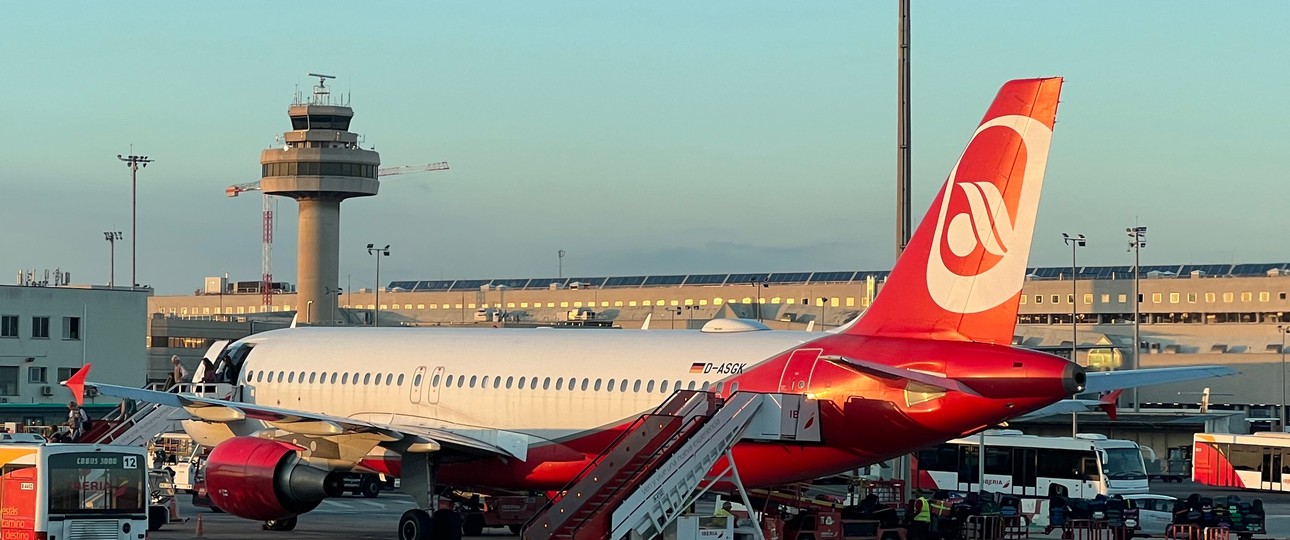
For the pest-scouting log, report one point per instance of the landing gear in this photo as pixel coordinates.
(472, 525)
(279, 524)
(416, 525)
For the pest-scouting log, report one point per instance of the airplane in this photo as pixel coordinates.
(528, 409)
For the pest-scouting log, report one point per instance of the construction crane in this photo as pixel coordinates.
(266, 245)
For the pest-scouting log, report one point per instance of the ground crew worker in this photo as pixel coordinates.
(921, 524)
(724, 511)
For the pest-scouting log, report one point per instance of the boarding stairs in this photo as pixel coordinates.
(151, 419)
(660, 465)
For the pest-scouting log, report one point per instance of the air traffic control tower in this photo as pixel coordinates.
(319, 166)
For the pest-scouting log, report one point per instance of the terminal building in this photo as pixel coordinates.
(48, 331)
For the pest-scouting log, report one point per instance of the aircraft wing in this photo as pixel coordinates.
(1068, 406)
(1105, 381)
(433, 438)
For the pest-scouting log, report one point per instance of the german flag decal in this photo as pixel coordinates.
(697, 367)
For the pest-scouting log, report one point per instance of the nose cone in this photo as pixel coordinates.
(1074, 378)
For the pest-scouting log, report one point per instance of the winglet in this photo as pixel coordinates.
(1107, 403)
(76, 383)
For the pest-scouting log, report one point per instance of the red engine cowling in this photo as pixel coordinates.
(263, 479)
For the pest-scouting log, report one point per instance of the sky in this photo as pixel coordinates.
(641, 138)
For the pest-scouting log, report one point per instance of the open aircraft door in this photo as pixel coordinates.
(797, 371)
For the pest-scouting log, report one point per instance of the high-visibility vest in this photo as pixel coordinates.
(924, 511)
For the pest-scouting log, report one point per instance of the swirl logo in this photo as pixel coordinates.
(981, 242)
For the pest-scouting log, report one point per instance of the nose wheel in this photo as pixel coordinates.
(280, 524)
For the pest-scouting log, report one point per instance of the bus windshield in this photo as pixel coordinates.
(1124, 464)
(96, 483)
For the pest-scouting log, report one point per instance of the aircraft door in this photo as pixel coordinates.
(797, 371)
(417, 379)
(432, 385)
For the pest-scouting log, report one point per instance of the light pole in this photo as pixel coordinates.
(1137, 241)
(559, 255)
(824, 315)
(376, 306)
(674, 311)
(757, 283)
(335, 307)
(690, 309)
(111, 237)
(132, 161)
(1074, 242)
(1281, 419)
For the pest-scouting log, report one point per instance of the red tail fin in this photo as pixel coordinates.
(1107, 403)
(961, 274)
(76, 383)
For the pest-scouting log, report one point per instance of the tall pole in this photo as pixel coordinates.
(902, 136)
(376, 306)
(111, 237)
(132, 161)
(1074, 242)
(1281, 418)
(559, 255)
(1137, 241)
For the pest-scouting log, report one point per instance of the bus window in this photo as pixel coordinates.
(968, 465)
(83, 483)
(998, 460)
(1089, 468)
(1023, 467)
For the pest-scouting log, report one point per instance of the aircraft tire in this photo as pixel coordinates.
(370, 488)
(472, 525)
(416, 525)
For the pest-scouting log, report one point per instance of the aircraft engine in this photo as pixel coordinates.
(263, 479)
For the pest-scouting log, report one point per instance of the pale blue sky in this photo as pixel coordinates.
(642, 138)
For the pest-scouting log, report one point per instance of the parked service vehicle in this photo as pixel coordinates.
(1155, 512)
(55, 490)
(179, 457)
(1083, 466)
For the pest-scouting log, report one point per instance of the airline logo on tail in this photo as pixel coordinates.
(977, 259)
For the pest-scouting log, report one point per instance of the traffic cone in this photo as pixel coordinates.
(174, 512)
(199, 533)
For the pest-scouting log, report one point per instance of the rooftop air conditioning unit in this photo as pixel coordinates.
(46, 390)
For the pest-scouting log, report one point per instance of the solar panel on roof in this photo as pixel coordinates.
(435, 285)
(469, 284)
(624, 281)
(587, 281)
(737, 279)
(789, 277)
(1256, 269)
(832, 277)
(511, 283)
(405, 285)
(544, 283)
(706, 279)
(659, 281)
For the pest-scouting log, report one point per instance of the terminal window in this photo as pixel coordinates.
(9, 381)
(8, 326)
(40, 327)
(71, 328)
(36, 374)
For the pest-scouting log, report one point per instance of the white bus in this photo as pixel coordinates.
(1030, 465)
(72, 490)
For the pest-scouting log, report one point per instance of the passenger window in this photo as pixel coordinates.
(663, 388)
(461, 381)
(260, 376)
(497, 381)
(333, 377)
(622, 386)
(484, 382)
(389, 379)
(434, 381)
(521, 387)
(291, 377)
(558, 383)
(678, 385)
(610, 388)
(720, 384)
(649, 387)
(637, 387)
(448, 383)
(734, 387)
(510, 380)
(597, 385)
(472, 381)
(584, 384)
(355, 380)
(416, 380)
(302, 377)
(311, 377)
(704, 387)
(533, 383)
(400, 380)
(546, 383)
(344, 378)
(367, 379)
(690, 386)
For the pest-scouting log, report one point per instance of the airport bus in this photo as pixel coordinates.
(1260, 461)
(68, 491)
(1083, 466)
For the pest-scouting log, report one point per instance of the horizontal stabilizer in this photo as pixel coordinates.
(1105, 381)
